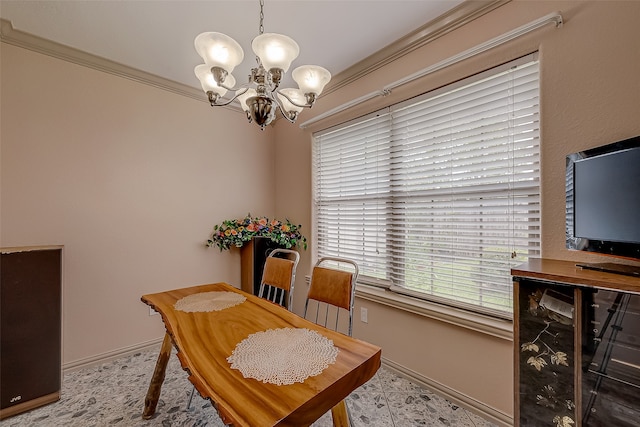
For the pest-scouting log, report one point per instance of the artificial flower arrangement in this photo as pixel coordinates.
(236, 232)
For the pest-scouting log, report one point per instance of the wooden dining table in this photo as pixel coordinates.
(204, 341)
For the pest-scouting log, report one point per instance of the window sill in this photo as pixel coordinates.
(499, 328)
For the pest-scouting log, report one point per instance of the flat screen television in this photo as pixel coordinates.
(603, 203)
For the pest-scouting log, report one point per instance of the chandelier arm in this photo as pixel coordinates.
(214, 103)
(293, 102)
(291, 116)
(235, 89)
(220, 76)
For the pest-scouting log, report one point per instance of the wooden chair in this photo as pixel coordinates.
(278, 277)
(276, 285)
(331, 292)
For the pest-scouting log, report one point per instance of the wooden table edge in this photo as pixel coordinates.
(339, 411)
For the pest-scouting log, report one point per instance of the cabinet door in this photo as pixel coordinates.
(610, 358)
(545, 356)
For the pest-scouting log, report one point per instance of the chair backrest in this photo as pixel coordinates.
(332, 291)
(278, 277)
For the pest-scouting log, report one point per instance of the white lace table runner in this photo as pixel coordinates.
(283, 356)
(208, 301)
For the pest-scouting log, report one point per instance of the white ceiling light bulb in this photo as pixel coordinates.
(208, 83)
(275, 51)
(243, 98)
(219, 50)
(311, 78)
(295, 95)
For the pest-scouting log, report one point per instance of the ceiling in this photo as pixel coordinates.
(156, 36)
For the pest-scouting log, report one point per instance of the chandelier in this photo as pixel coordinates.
(261, 96)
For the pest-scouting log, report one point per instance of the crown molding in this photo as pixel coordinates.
(455, 18)
(464, 13)
(18, 38)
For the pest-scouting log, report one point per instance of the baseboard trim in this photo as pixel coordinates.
(487, 412)
(110, 355)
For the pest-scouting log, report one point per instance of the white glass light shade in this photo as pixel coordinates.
(275, 50)
(219, 50)
(296, 96)
(311, 78)
(243, 98)
(203, 73)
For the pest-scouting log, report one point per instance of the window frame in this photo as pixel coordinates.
(386, 282)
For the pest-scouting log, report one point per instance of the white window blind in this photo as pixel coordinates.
(438, 197)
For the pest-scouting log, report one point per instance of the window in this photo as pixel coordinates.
(437, 197)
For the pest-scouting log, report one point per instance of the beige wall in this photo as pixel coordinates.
(293, 182)
(131, 180)
(590, 95)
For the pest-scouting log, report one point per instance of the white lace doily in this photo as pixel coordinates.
(283, 356)
(208, 301)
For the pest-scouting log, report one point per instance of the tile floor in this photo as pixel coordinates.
(112, 394)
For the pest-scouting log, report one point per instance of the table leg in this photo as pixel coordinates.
(153, 394)
(339, 415)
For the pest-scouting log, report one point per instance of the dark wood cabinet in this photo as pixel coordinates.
(30, 328)
(576, 346)
(253, 256)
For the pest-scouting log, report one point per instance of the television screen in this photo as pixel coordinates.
(603, 199)
(607, 197)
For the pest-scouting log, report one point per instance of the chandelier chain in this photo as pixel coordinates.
(261, 16)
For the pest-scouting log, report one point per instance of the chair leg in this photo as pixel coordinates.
(193, 390)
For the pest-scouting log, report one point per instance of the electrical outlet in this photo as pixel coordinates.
(152, 312)
(363, 315)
